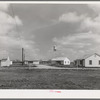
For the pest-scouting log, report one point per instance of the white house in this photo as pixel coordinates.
(5, 62)
(61, 60)
(88, 61)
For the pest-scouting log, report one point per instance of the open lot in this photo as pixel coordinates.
(25, 78)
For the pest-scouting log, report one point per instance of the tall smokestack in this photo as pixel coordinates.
(23, 56)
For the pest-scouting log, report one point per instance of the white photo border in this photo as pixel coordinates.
(49, 93)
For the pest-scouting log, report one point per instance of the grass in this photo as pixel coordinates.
(24, 78)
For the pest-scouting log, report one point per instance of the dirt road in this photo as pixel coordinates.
(53, 67)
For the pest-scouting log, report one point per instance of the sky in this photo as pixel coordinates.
(73, 28)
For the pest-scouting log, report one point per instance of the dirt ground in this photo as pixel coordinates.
(26, 78)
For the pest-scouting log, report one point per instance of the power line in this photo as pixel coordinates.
(17, 29)
(13, 14)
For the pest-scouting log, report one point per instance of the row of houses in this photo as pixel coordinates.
(8, 62)
(92, 60)
(59, 60)
(86, 61)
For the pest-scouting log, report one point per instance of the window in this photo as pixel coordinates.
(99, 62)
(90, 62)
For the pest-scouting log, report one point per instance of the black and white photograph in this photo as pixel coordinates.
(50, 46)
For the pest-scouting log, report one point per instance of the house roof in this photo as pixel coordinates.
(4, 59)
(88, 55)
(31, 60)
(60, 58)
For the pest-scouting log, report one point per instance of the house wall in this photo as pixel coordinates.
(95, 61)
(59, 62)
(6, 63)
(36, 62)
(62, 61)
(66, 62)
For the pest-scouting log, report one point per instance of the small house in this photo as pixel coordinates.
(5, 62)
(44, 62)
(88, 61)
(61, 60)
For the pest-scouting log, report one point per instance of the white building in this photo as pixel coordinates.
(61, 60)
(5, 62)
(89, 61)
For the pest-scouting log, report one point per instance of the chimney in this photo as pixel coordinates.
(23, 56)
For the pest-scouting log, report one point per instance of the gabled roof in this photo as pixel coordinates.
(89, 55)
(60, 58)
(4, 59)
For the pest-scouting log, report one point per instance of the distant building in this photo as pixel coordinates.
(36, 62)
(88, 61)
(44, 62)
(5, 62)
(32, 62)
(16, 63)
(61, 60)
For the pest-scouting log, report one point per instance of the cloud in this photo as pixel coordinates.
(71, 17)
(79, 43)
(4, 6)
(8, 41)
(18, 21)
(11, 41)
(88, 23)
(86, 40)
(8, 23)
(95, 7)
(12, 44)
(74, 39)
(92, 23)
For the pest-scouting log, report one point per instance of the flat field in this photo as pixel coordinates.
(25, 78)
